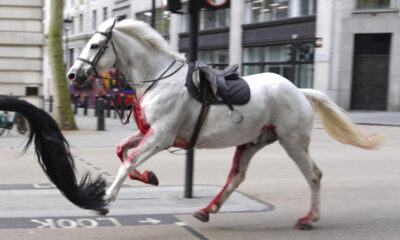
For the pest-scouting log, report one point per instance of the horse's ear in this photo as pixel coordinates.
(114, 22)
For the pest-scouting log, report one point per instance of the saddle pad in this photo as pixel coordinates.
(238, 90)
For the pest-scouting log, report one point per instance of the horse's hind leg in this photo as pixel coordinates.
(241, 161)
(297, 149)
(147, 177)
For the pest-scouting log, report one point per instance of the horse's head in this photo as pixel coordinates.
(98, 55)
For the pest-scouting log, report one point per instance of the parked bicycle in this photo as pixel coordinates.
(18, 120)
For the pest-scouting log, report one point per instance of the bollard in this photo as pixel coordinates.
(108, 105)
(100, 114)
(96, 97)
(122, 105)
(76, 100)
(51, 104)
(86, 102)
(43, 102)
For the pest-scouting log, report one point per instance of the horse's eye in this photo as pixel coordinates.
(94, 46)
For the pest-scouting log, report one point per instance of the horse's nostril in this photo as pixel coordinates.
(71, 76)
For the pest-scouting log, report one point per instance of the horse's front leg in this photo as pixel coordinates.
(147, 177)
(152, 142)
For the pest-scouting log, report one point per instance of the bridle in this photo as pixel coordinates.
(102, 49)
(99, 54)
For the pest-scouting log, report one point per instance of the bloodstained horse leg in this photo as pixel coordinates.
(241, 161)
(151, 143)
(147, 177)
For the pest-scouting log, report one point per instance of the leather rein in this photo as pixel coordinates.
(102, 48)
(96, 59)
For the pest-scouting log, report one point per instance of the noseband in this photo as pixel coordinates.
(101, 51)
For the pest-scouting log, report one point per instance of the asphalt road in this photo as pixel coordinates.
(360, 193)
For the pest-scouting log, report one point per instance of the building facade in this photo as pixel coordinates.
(264, 35)
(358, 64)
(21, 43)
(279, 36)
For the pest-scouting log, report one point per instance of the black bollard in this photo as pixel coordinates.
(86, 103)
(76, 100)
(100, 114)
(96, 97)
(122, 105)
(108, 105)
(51, 104)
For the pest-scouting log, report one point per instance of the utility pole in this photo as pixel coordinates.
(153, 14)
(194, 8)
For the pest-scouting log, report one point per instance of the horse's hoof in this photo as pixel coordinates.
(152, 178)
(201, 215)
(300, 225)
(103, 211)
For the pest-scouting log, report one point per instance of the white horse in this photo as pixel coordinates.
(166, 113)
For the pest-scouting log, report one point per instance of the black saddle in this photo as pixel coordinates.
(226, 85)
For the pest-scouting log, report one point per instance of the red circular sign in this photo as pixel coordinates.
(217, 3)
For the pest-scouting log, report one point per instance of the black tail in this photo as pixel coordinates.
(54, 156)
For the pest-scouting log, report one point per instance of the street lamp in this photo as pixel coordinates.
(67, 21)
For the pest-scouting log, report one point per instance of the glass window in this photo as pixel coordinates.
(80, 22)
(308, 7)
(251, 69)
(221, 56)
(251, 55)
(105, 13)
(94, 23)
(304, 75)
(217, 59)
(208, 19)
(373, 4)
(276, 58)
(266, 10)
(281, 69)
(162, 20)
(214, 19)
(276, 53)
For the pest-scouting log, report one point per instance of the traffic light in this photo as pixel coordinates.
(290, 52)
(174, 5)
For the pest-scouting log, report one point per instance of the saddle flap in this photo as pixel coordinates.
(226, 85)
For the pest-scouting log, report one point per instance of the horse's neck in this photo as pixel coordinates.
(137, 62)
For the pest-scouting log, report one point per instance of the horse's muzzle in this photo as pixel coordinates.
(78, 78)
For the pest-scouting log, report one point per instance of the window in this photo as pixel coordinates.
(373, 4)
(208, 19)
(94, 23)
(298, 68)
(162, 20)
(105, 13)
(218, 59)
(32, 91)
(266, 10)
(80, 22)
(71, 57)
(308, 7)
(214, 19)
(271, 10)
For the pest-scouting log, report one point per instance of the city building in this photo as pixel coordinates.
(358, 64)
(321, 44)
(21, 43)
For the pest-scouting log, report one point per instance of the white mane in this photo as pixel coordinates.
(149, 36)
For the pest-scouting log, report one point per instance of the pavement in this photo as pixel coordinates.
(360, 197)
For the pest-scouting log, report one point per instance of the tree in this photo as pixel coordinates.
(63, 111)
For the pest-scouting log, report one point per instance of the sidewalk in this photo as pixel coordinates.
(376, 117)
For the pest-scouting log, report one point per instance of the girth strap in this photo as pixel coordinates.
(205, 107)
